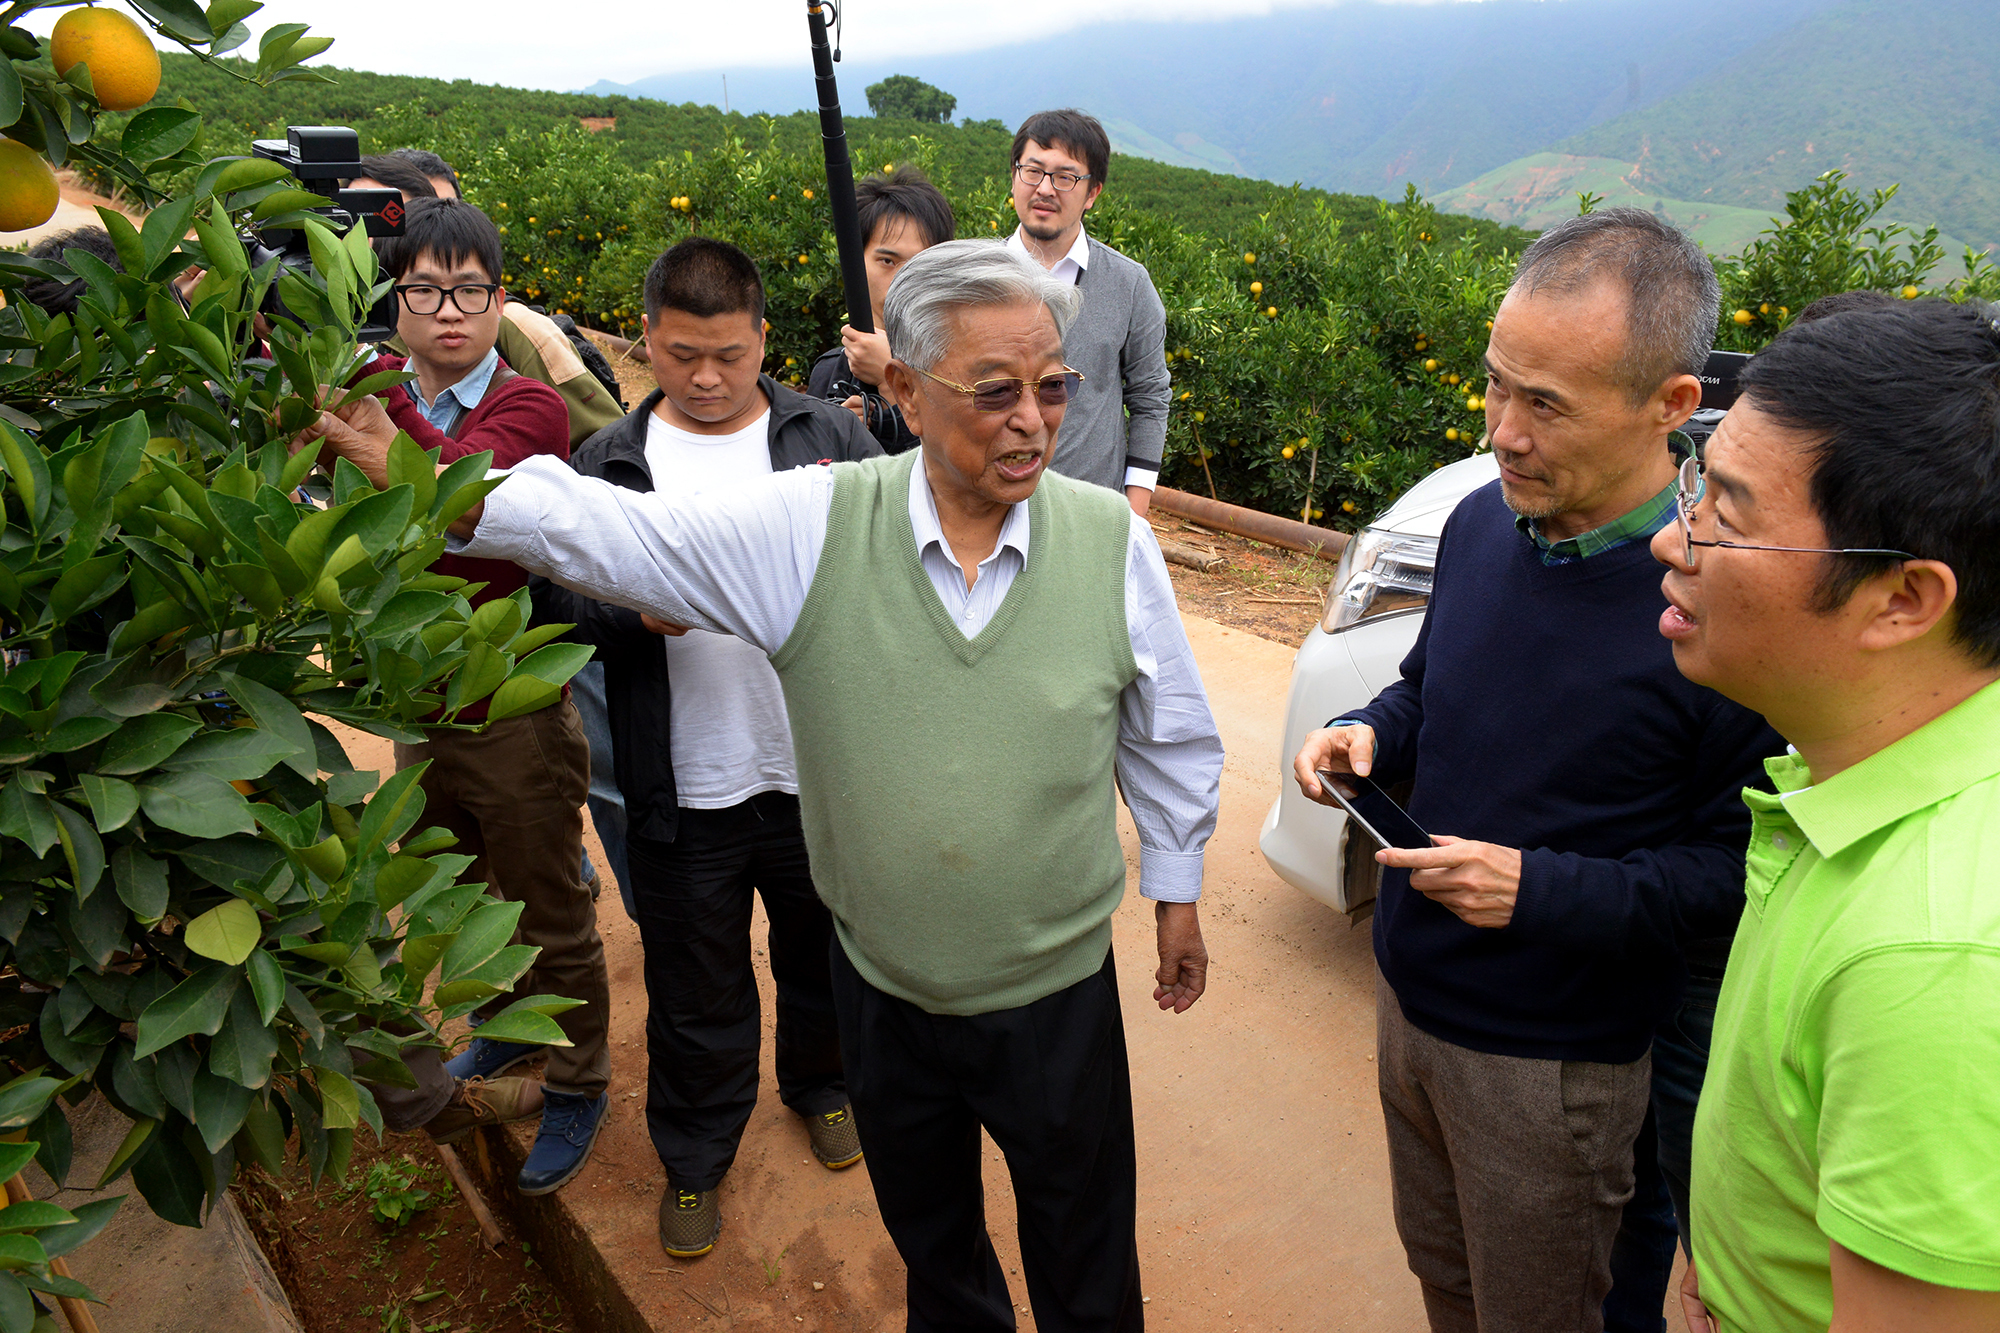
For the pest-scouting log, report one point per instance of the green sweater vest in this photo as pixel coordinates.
(958, 795)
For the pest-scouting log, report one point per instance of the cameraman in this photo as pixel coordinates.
(901, 214)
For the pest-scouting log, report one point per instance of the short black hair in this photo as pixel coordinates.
(54, 295)
(451, 231)
(702, 276)
(1841, 302)
(431, 165)
(1075, 132)
(397, 173)
(905, 193)
(1902, 402)
(1670, 288)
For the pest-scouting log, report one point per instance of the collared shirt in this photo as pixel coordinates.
(1070, 269)
(454, 402)
(1637, 525)
(741, 561)
(1854, 1090)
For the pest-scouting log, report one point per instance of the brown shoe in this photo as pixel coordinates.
(834, 1140)
(482, 1101)
(690, 1220)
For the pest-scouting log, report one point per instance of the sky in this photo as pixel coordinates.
(532, 44)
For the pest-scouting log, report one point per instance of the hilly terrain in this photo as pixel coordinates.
(644, 131)
(1354, 97)
(1887, 91)
(1710, 109)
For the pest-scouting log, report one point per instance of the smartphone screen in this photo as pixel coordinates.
(1370, 807)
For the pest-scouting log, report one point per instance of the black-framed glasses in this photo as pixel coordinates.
(1061, 181)
(1690, 485)
(423, 298)
(1000, 395)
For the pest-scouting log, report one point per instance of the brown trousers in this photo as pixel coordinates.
(513, 794)
(1509, 1177)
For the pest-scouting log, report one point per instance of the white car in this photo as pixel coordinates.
(1373, 613)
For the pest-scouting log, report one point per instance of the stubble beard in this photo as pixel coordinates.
(1548, 506)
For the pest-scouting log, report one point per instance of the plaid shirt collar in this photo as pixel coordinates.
(1640, 524)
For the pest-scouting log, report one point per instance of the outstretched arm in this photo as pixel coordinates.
(735, 562)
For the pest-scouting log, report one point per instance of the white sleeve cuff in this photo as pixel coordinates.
(1149, 479)
(1169, 877)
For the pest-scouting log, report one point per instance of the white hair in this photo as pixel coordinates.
(965, 275)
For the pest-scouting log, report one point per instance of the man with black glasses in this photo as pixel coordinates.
(512, 793)
(1114, 432)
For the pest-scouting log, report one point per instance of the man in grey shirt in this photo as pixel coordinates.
(1116, 427)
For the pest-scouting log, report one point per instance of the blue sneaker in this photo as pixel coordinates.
(570, 1122)
(489, 1059)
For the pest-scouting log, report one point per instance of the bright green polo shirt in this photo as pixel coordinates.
(1853, 1092)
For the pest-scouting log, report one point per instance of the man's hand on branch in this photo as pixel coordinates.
(358, 430)
(1183, 973)
(1477, 881)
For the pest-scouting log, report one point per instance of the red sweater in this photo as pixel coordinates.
(515, 420)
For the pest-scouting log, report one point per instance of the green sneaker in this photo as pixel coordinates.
(834, 1139)
(690, 1220)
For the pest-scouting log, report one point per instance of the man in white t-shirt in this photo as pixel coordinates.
(703, 755)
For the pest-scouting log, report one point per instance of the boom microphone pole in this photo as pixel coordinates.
(839, 173)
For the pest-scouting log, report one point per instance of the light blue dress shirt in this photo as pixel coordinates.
(453, 403)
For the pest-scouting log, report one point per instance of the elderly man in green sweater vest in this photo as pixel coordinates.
(976, 654)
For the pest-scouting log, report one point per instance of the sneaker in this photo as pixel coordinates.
(477, 1101)
(690, 1220)
(834, 1139)
(490, 1059)
(570, 1123)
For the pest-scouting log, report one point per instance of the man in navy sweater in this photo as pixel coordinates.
(1586, 797)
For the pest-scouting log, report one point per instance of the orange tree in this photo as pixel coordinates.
(1318, 370)
(207, 916)
(1828, 241)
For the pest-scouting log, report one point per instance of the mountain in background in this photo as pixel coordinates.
(1708, 111)
(1359, 97)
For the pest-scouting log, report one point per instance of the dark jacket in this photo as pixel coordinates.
(892, 432)
(803, 431)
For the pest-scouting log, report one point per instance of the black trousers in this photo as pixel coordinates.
(1049, 1081)
(703, 1023)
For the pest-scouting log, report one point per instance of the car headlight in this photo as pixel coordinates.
(1380, 574)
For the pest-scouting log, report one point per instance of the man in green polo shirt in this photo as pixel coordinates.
(1837, 568)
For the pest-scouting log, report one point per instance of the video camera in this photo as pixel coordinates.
(1718, 394)
(321, 157)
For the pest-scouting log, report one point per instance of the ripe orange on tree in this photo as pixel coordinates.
(124, 67)
(28, 190)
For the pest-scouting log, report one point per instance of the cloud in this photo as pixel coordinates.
(527, 44)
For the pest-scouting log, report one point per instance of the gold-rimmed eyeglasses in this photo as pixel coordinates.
(1691, 484)
(1000, 395)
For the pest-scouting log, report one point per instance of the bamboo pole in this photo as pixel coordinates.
(75, 1311)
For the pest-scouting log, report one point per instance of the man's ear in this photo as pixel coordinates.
(1907, 603)
(1677, 400)
(901, 382)
(1090, 200)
